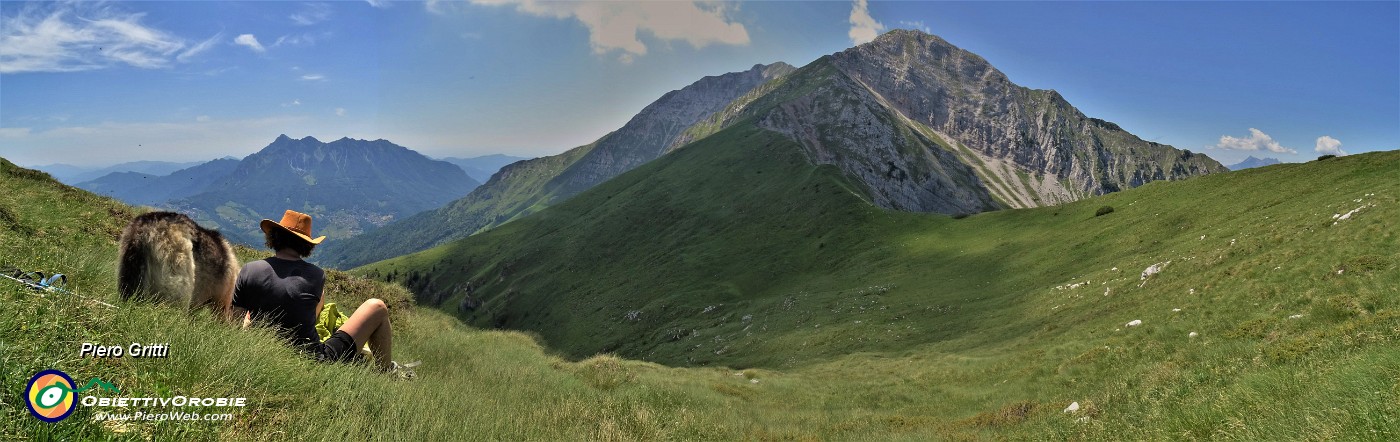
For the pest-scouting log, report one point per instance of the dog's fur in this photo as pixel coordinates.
(166, 257)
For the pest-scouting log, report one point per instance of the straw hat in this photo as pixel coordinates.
(295, 222)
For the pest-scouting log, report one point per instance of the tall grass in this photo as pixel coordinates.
(737, 252)
(986, 348)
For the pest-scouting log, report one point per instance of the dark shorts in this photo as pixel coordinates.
(340, 347)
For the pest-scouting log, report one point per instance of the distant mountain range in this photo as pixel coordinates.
(349, 186)
(146, 189)
(186, 189)
(155, 188)
(1253, 162)
(481, 168)
(72, 175)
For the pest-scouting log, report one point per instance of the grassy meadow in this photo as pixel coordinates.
(861, 324)
(736, 252)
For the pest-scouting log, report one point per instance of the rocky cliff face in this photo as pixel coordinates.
(908, 105)
(925, 126)
(526, 187)
(840, 122)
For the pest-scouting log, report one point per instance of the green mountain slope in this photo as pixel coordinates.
(735, 251)
(526, 187)
(1252, 373)
(508, 388)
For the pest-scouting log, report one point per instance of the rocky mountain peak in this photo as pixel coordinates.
(927, 126)
(771, 71)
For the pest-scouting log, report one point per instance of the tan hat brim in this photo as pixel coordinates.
(268, 224)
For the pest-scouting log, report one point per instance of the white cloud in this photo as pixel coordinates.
(79, 36)
(306, 39)
(311, 13)
(202, 119)
(378, 3)
(313, 77)
(617, 26)
(1329, 146)
(916, 25)
(199, 48)
(1257, 140)
(250, 41)
(296, 102)
(864, 28)
(339, 111)
(433, 7)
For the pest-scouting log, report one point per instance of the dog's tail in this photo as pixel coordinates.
(157, 258)
(132, 257)
(217, 270)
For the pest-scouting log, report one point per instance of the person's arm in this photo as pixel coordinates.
(239, 312)
(320, 297)
(239, 305)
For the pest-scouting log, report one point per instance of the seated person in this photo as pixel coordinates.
(285, 291)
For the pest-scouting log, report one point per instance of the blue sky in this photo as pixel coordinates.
(100, 83)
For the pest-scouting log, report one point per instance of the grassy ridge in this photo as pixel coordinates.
(474, 385)
(735, 252)
(1253, 373)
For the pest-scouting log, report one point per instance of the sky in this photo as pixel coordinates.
(99, 83)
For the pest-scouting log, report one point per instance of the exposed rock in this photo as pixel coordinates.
(1012, 129)
(929, 127)
(1154, 269)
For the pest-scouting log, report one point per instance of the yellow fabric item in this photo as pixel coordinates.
(331, 319)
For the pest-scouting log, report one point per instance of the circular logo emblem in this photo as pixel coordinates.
(50, 396)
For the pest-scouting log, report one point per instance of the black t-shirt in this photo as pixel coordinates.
(282, 293)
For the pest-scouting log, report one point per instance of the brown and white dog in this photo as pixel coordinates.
(167, 257)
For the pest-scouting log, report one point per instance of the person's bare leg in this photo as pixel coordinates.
(370, 323)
